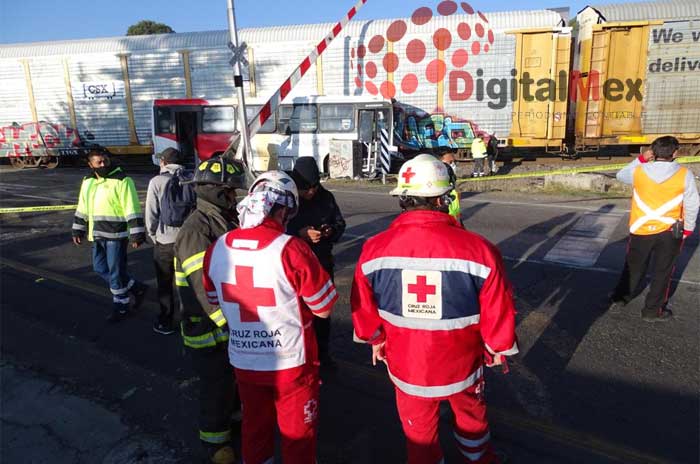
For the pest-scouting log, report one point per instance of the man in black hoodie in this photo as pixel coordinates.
(319, 222)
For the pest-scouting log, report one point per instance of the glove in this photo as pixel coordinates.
(687, 233)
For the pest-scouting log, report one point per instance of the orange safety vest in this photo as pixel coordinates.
(655, 207)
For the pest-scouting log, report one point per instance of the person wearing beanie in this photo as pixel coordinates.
(320, 223)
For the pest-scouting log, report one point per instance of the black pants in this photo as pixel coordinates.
(217, 393)
(163, 255)
(322, 327)
(640, 248)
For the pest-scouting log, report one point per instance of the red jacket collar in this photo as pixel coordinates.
(421, 217)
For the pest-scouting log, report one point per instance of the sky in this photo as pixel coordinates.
(45, 20)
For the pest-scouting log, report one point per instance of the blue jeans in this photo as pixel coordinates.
(109, 262)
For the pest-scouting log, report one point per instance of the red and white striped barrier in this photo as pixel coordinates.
(274, 102)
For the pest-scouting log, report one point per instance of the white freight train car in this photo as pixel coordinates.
(105, 88)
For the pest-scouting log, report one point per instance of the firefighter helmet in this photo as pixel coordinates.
(423, 176)
(220, 171)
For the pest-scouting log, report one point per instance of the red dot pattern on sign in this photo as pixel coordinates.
(361, 51)
(371, 88)
(447, 8)
(435, 72)
(359, 69)
(388, 89)
(442, 39)
(467, 8)
(476, 48)
(396, 31)
(376, 44)
(479, 29)
(422, 16)
(491, 38)
(409, 83)
(371, 70)
(483, 17)
(358, 83)
(460, 58)
(415, 51)
(352, 53)
(464, 31)
(391, 62)
(486, 48)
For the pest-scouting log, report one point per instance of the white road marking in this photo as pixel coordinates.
(34, 197)
(585, 241)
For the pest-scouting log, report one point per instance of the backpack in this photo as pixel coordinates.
(178, 200)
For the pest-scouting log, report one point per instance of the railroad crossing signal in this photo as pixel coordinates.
(239, 54)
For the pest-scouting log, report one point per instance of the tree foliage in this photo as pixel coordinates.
(147, 27)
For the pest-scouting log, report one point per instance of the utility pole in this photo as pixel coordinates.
(238, 58)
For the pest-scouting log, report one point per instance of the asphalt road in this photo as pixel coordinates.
(590, 385)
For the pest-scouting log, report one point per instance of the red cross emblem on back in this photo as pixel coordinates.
(421, 289)
(408, 175)
(248, 297)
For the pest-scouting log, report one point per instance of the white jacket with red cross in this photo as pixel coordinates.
(439, 296)
(268, 286)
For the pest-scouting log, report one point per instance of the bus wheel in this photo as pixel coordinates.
(18, 162)
(326, 165)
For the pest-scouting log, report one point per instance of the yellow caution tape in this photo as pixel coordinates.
(37, 209)
(607, 167)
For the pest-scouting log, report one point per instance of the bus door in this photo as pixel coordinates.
(186, 133)
(368, 136)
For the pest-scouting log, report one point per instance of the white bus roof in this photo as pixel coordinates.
(296, 100)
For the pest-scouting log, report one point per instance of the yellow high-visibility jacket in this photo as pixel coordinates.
(108, 208)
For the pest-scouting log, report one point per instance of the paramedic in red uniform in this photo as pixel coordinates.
(269, 286)
(434, 302)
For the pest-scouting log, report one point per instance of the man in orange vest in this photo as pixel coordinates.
(665, 207)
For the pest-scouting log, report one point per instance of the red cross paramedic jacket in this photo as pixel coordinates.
(268, 285)
(438, 295)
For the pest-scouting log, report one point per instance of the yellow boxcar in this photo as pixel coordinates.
(638, 81)
(540, 114)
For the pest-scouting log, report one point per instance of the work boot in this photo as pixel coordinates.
(219, 454)
(119, 312)
(661, 315)
(139, 291)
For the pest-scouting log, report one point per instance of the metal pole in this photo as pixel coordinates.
(238, 83)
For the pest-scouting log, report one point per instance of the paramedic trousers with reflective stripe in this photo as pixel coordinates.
(293, 407)
(109, 262)
(420, 417)
(640, 249)
(217, 392)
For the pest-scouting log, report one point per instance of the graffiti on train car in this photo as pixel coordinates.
(38, 139)
(419, 130)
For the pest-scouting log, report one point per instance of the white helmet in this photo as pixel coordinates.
(280, 183)
(423, 176)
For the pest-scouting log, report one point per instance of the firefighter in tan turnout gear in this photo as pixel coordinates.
(216, 181)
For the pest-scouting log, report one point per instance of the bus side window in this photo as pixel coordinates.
(285, 113)
(218, 119)
(268, 127)
(337, 118)
(164, 121)
(299, 119)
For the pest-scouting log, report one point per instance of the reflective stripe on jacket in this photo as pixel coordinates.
(656, 207)
(200, 230)
(108, 208)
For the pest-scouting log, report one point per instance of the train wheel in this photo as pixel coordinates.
(50, 162)
(18, 162)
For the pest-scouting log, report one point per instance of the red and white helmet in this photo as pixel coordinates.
(423, 176)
